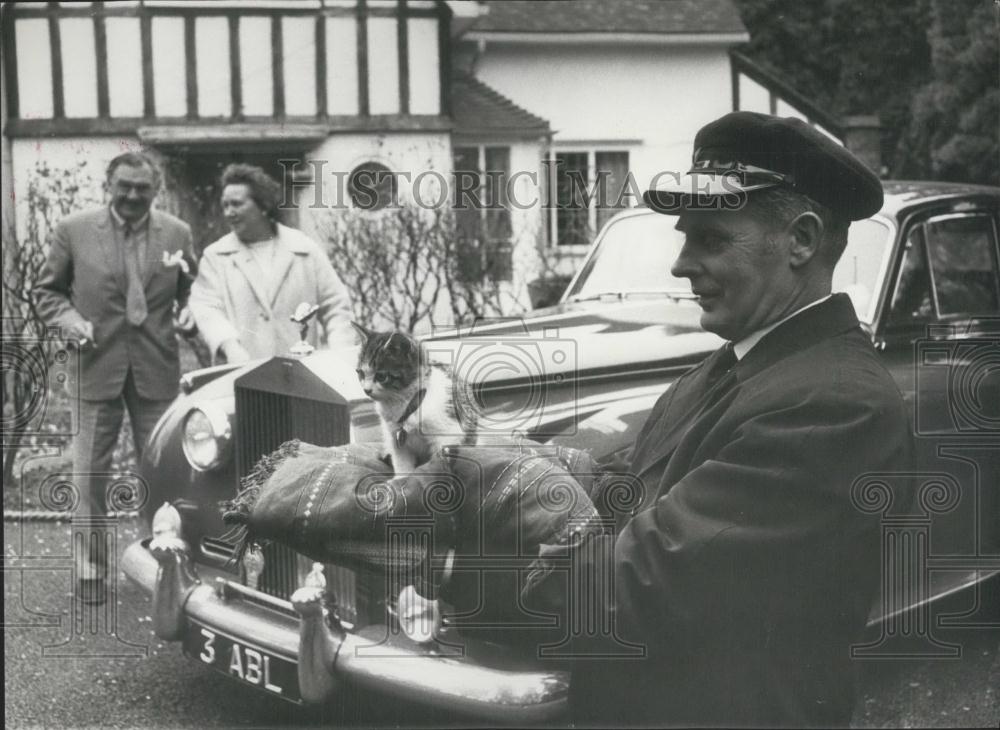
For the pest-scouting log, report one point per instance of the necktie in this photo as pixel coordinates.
(135, 297)
(722, 365)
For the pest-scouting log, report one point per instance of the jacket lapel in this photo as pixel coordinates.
(154, 248)
(830, 318)
(109, 249)
(684, 408)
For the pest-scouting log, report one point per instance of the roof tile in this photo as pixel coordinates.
(478, 108)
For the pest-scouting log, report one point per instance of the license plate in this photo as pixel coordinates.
(244, 662)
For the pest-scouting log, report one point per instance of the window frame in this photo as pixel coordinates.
(551, 211)
(993, 252)
(493, 245)
(915, 223)
(483, 175)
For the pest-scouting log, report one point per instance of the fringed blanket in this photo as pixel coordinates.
(492, 508)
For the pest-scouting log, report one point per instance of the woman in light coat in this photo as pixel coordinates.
(250, 281)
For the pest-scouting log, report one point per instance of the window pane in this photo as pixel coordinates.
(495, 193)
(611, 172)
(571, 205)
(962, 253)
(912, 299)
(465, 163)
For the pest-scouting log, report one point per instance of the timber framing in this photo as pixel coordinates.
(147, 12)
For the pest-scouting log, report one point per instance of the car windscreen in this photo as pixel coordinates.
(636, 252)
(633, 257)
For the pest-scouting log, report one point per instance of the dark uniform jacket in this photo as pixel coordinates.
(748, 572)
(84, 278)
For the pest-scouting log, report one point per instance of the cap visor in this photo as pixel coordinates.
(700, 191)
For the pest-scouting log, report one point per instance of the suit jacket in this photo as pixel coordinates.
(748, 571)
(228, 300)
(84, 279)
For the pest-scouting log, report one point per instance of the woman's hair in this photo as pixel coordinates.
(264, 190)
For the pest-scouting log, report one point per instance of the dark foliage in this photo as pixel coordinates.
(928, 68)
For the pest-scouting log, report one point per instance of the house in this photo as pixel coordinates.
(570, 108)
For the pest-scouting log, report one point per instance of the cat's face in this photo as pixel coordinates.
(388, 363)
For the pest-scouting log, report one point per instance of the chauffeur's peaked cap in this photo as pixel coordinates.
(745, 151)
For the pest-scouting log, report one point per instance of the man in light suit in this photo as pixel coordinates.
(748, 571)
(113, 282)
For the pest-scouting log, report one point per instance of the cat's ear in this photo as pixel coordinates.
(365, 333)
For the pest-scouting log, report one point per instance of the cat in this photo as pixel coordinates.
(422, 405)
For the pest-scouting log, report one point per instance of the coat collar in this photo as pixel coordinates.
(289, 245)
(805, 329)
(106, 240)
(287, 238)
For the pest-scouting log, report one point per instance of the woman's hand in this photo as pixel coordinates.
(234, 352)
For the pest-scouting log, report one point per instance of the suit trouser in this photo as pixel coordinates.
(99, 424)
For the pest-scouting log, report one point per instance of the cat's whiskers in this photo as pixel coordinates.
(415, 399)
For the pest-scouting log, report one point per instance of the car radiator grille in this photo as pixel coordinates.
(265, 420)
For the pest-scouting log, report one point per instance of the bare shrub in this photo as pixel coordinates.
(29, 344)
(404, 265)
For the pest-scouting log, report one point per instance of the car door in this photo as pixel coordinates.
(940, 337)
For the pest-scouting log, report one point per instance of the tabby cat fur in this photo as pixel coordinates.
(422, 405)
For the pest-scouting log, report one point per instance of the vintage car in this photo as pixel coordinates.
(923, 276)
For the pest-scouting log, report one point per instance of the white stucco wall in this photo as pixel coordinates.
(526, 221)
(653, 97)
(409, 153)
(88, 156)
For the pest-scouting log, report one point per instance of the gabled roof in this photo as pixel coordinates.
(610, 16)
(479, 109)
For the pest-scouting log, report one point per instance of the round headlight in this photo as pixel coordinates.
(207, 437)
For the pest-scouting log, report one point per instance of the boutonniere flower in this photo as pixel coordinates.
(170, 260)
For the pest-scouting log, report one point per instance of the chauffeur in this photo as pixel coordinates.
(748, 572)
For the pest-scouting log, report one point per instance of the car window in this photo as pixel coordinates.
(912, 299)
(949, 269)
(862, 266)
(634, 255)
(963, 266)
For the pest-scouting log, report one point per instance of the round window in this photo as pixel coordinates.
(371, 186)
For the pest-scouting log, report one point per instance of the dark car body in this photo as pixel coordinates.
(925, 279)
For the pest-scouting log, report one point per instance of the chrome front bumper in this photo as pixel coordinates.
(326, 653)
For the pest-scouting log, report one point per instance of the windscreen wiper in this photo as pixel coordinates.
(675, 296)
